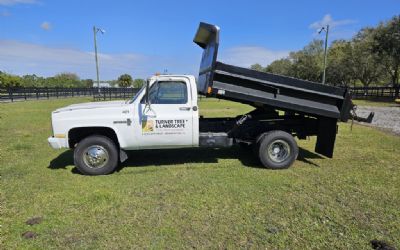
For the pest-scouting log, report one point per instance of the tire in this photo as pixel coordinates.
(94, 146)
(277, 149)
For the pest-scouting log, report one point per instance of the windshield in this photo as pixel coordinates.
(138, 93)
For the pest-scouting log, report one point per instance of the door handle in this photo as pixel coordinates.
(184, 108)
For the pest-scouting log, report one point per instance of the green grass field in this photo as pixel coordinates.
(196, 198)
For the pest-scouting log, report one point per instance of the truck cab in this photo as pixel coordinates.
(169, 118)
(163, 114)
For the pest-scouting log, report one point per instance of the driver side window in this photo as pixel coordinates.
(168, 93)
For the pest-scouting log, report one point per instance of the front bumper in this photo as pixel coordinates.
(57, 143)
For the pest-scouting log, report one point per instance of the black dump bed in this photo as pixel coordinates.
(253, 87)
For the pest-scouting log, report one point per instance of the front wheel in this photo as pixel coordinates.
(277, 149)
(96, 155)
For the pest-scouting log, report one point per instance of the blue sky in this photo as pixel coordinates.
(143, 37)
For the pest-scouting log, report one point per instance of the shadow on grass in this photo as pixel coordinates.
(62, 161)
(167, 157)
(306, 155)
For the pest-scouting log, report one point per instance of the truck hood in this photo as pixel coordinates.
(92, 105)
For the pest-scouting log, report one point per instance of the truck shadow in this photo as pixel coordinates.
(307, 156)
(62, 161)
(167, 157)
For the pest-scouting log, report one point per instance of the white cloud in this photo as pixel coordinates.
(245, 56)
(14, 2)
(327, 19)
(46, 26)
(26, 58)
(338, 29)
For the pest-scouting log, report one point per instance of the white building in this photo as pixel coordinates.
(102, 85)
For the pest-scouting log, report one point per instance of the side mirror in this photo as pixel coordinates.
(148, 111)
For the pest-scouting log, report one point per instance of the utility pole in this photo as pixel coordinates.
(95, 30)
(326, 29)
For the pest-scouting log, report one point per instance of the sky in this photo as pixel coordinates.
(142, 38)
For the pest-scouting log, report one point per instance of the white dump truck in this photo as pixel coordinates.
(165, 114)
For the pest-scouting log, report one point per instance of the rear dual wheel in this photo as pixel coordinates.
(277, 149)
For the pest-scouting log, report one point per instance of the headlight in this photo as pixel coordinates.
(52, 129)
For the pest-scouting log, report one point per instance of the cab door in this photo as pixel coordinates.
(167, 121)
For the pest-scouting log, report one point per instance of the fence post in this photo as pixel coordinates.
(25, 93)
(10, 93)
(47, 92)
(37, 93)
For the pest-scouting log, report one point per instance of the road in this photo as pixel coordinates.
(385, 117)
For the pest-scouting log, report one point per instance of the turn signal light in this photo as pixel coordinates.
(59, 135)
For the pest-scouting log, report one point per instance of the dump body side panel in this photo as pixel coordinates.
(236, 83)
(250, 86)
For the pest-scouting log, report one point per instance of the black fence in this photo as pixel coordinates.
(374, 92)
(15, 94)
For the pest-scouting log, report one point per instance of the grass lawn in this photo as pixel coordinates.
(375, 103)
(196, 198)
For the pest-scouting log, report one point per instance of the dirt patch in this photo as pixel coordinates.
(34, 221)
(29, 235)
(381, 245)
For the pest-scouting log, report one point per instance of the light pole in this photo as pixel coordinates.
(326, 29)
(95, 30)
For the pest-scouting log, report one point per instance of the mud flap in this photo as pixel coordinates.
(327, 129)
(122, 155)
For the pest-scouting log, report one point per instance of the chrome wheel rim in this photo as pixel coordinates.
(95, 156)
(278, 151)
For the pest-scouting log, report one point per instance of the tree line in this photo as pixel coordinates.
(370, 57)
(63, 80)
(60, 80)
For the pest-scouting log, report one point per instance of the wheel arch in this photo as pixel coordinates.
(76, 134)
(264, 133)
